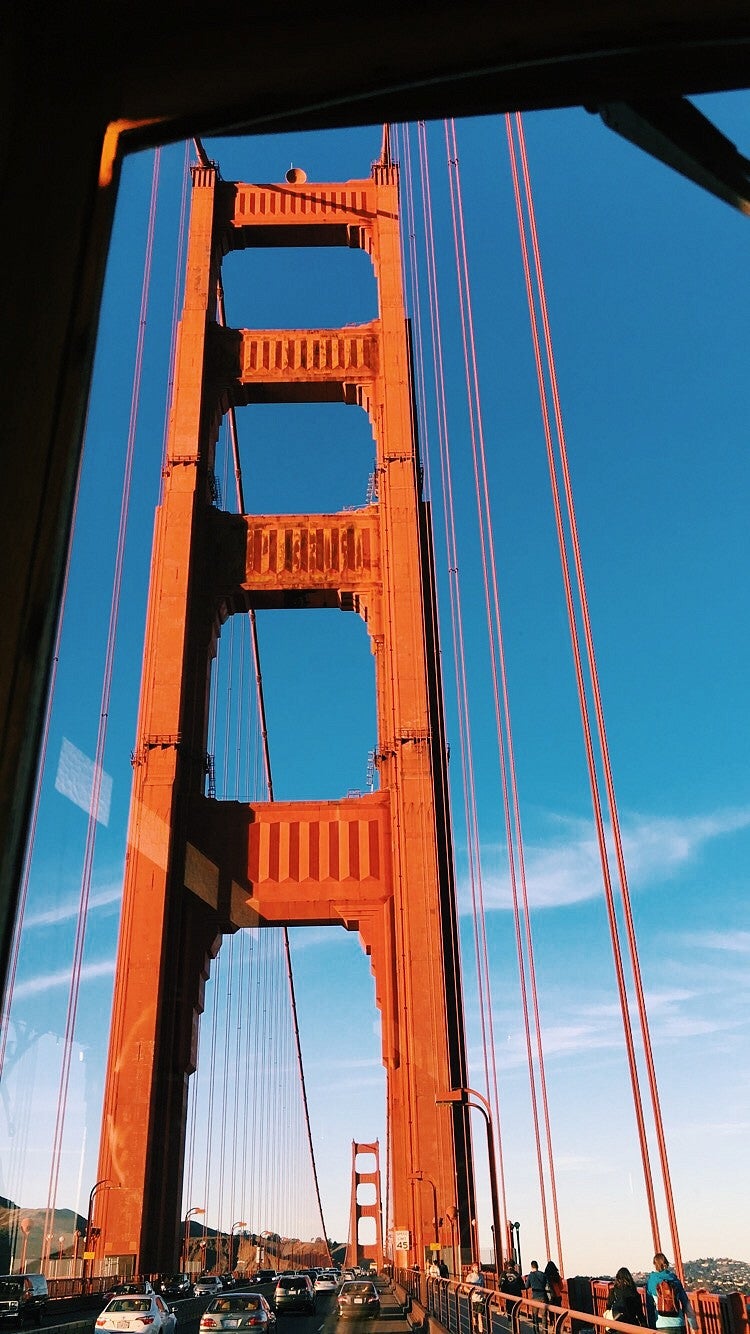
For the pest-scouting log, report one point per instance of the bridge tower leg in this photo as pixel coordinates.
(381, 864)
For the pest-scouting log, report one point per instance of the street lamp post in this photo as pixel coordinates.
(191, 1213)
(241, 1223)
(25, 1226)
(88, 1267)
(464, 1096)
(516, 1227)
(424, 1176)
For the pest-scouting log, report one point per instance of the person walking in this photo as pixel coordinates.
(475, 1282)
(536, 1284)
(553, 1281)
(625, 1301)
(511, 1286)
(434, 1269)
(667, 1303)
(511, 1282)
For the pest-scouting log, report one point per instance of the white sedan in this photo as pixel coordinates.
(239, 1310)
(136, 1314)
(325, 1283)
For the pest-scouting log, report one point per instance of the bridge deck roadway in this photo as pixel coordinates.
(392, 1319)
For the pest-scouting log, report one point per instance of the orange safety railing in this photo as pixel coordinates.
(461, 1309)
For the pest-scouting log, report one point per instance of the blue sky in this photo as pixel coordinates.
(647, 288)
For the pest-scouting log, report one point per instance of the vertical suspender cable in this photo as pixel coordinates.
(604, 748)
(98, 766)
(601, 732)
(269, 783)
(511, 804)
(582, 698)
(470, 805)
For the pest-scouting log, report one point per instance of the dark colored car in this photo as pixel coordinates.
(358, 1300)
(135, 1288)
(265, 1276)
(294, 1292)
(176, 1285)
(23, 1297)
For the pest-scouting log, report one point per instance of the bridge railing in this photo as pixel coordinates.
(463, 1309)
(79, 1287)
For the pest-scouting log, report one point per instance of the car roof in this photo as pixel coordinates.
(239, 1301)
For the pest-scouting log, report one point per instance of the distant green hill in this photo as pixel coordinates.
(718, 1275)
(64, 1225)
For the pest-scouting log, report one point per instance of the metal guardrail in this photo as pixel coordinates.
(461, 1309)
(82, 1287)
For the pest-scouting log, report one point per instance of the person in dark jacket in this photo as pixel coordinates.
(625, 1301)
(511, 1282)
(554, 1283)
(511, 1286)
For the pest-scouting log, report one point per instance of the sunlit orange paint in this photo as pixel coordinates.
(379, 864)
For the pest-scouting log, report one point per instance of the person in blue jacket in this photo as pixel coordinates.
(667, 1303)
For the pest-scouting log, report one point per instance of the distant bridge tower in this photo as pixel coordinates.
(380, 864)
(361, 1252)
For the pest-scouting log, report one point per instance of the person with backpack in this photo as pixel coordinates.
(667, 1303)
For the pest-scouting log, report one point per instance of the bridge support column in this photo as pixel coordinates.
(197, 867)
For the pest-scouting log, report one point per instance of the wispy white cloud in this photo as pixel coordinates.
(567, 869)
(730, 942)
(706, 1131)
(35, 986)
(349, 1063)
(69, 908)
(580, 1162)
(313, 937)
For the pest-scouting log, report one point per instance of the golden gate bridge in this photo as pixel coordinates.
(249, 859)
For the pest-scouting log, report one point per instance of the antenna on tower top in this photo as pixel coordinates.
(385, 149)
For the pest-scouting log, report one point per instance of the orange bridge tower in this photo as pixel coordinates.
(365, 1176)
(379, 864)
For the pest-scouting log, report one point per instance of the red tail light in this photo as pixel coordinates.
(145, 1319)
